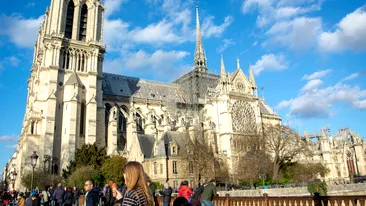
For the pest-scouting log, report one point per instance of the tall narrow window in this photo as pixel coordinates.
(139, 126)
(69, 20)
(155, 169)
(122, 123)
(83, 23)
(175, 171)
(100, 22)
(161, 168)
(82, 119)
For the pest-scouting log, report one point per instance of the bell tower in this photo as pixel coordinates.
(64, 107)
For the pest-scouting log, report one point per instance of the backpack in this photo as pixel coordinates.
(196, 195)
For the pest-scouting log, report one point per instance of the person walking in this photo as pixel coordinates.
(137, 193)
(92, 194)
(166, 193)
(58, 195)
(208, 193)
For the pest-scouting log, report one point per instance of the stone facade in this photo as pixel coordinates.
(344, 154)
(71, 101)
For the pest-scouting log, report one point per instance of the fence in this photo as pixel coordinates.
(266, 200)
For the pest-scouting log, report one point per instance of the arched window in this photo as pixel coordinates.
(83, 23)
(122, 124)
(139, 127)
(69, 19)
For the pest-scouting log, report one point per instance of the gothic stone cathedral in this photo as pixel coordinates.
(71, 101)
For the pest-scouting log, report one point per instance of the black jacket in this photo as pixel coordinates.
(92, 197)
(166, 193)
(36, 202)
(69, 198)
(109, 199)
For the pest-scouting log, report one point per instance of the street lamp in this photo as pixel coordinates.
(34, 158)
(263, 177)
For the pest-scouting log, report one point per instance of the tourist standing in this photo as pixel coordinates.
(184, 190)
(58, 195)
(166, 193)
(21, 199)
(76, 193)
(208, 193)
(92, 194)
(109, 198)
(69, 197)
(137, 193)
(35, 199)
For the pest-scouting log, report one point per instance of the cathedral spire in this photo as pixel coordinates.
(222, 70)
(251, 77)
(199, 56)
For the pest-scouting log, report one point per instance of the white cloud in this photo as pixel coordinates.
(320, 102)
(16, 26)
(8, 138)
(225, 44)
(312, 85)
(175, 27)
(298, 34)
(270, 11)
(317, 75)
(210, 29)
(255, 43)
(159, 63)
(112, 6)
(361, 104)
(355, 75)
(30, 4)
(349, 34)
(270, 62)
(161, 32)
(14, 146)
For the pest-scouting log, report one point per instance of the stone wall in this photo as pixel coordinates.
(346, 189)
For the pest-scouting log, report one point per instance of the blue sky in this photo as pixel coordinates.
(308, 55)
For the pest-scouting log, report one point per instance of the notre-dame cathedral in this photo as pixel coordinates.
(71, 101)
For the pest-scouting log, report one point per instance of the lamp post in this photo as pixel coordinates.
(34, 158)
(263, 177)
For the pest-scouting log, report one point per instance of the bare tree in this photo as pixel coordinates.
(201, 159)
(284, 145)
(252, 158)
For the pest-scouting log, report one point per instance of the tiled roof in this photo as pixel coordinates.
(119, 85)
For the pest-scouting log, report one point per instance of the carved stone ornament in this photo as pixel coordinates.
(40, 56)
(239, 86)
(243, 117)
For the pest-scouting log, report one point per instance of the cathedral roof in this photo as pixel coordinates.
(119, 85)
(265, 109)
(146, 144)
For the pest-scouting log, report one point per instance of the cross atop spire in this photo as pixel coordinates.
(199, 56)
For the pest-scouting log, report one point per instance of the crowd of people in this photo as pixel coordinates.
(138, 190)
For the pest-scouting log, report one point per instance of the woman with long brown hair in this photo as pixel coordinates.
(137, 193)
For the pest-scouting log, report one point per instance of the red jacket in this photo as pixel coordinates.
(184, 191)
